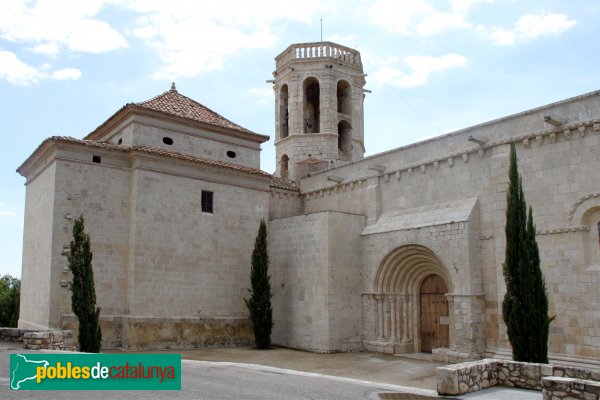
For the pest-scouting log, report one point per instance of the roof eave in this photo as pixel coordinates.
(133, 109)
(23, 169)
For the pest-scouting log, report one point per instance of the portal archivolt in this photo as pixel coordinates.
(397, 290)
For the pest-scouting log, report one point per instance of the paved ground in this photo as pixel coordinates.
(415, 372)
(246, 373)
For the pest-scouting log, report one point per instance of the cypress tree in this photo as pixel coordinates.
(525, 305)
(83, 292)
(259, 304)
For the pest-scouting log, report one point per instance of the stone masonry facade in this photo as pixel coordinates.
(352, 240)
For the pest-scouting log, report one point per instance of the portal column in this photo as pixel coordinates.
(392, 301)
(379, 298)
(405, 318)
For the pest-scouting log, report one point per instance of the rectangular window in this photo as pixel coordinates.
(96, 159)
(207, 201)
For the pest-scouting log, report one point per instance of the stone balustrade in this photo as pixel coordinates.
(555, 380)
(319, 50)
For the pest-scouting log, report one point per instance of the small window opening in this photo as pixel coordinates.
(120, 141)
(231, 154)
(96, 159)
(207, 201)
(167, 140)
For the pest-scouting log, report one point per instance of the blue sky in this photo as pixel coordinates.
(433, 66)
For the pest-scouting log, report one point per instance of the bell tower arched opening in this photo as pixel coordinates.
(284, 167)
(345, 140)
(284, 116)
(344, 97)
(312, 93)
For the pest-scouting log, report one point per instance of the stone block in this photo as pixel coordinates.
(447, 381)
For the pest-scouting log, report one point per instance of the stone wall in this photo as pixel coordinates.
(316, 281)
(557, 388)
(156, 254)
(188, 139)
(559, 169)
(36, 340)
(36, 282)
(49, 340)
(197, 142)
(469, 377)
(146, 333)
(284, 203)
(13, 334)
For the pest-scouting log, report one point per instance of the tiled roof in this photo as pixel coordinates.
(284, 184)
(174, 103)
(147, 150)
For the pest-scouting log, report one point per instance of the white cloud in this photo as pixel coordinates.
(66, 73)
(531, 26)
(421, 16)
(195, 37)
(51, 26)
(397, 17)
(421, 67)
(15, 71)
(441, 21)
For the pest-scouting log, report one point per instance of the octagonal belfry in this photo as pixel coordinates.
(319, 97)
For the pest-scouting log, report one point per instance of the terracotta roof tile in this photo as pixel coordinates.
(174, 103)
(284, 184)
(147, 150)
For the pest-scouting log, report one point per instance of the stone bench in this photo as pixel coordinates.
(457, 379)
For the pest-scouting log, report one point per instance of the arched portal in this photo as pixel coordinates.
(407, 277)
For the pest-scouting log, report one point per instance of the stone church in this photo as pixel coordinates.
(399, 252)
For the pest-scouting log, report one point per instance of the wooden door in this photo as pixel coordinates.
(434, 314)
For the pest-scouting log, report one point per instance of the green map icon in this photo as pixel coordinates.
(23, 369)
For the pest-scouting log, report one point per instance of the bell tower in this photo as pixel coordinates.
(318, 108)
